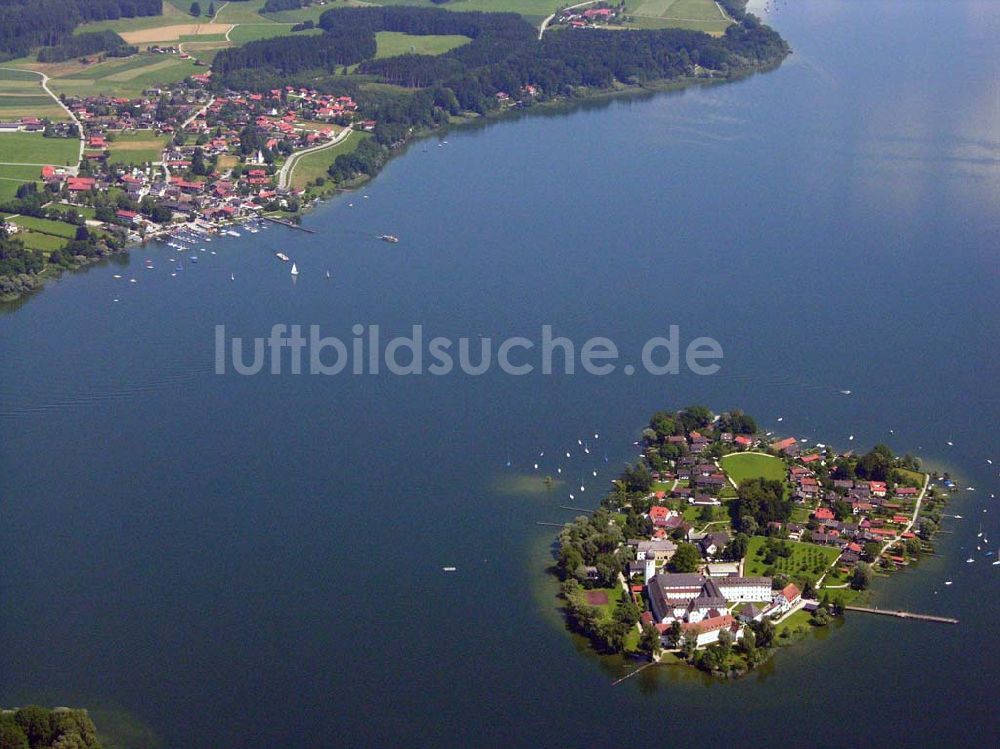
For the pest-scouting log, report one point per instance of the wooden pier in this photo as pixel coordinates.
(575, 509)
(289, 224)
(904, 614)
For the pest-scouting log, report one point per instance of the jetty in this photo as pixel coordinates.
(904, 614)
(289, 224)
(630, 674)
(574, 509)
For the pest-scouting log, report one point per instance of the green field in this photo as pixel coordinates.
(126, 77)
(33, 148)
(315, 165)
(137, 147)
(22, 95)
(697, 15)
(743, 466)
(34, 240)
(252, 32)
(171, 15)
(807, 560)
(45, 226)
(392, 43)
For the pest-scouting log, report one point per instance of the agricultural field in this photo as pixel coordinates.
(532, 10)
(806, 560)
(12, 177)
(34, 148)
(136, 147)
(252, 32)
(22, 95)
(696, 15)
(124, 77)
(743, 466)
(392, 43)
(171, 15)
(314, 165)
(46, 226)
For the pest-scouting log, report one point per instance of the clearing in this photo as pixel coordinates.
(392, 43)
(743, 466)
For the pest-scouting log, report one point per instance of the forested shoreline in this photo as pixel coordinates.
(503, 61)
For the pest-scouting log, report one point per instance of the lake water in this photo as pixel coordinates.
(227, 561)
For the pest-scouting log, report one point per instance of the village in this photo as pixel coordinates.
(723, 533)
(220, 161)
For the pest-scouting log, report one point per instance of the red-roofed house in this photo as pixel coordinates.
(707, 630)
(877, 488)
(823, 513)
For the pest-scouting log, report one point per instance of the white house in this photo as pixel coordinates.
(708, 630)
(745, 588)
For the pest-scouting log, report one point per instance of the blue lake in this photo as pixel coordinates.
(255, 561)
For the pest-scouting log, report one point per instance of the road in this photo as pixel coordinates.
(285, 174)
(549, 19)
(79, 126)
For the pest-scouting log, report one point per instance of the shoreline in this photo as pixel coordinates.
(314, 200)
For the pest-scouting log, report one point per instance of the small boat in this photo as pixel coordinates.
(388, 238)
(449, 569)
(193, 258)
(132, 280)
(970, 560)
(116, 275)
(232, 276)
(328, 274)
(947, 582)
(281, 256)
(845, 392)
(233, 233)
(951, 444)
(295, 271)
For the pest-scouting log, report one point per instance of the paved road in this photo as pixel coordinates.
(285, 174)
(79, 126)
(548, 20)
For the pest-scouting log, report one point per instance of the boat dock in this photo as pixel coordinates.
(289, 224)
(575, 509)
(904, 614)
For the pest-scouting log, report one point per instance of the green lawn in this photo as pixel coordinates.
(34, 148)
(37, 241)
(251, 33)
(807, 560)
(45, 226)
(743, 466)
(137, 147)
(392, 43)
(697, 15)
(315, 165)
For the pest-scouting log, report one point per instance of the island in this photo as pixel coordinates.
(122, 121)
(723, 541)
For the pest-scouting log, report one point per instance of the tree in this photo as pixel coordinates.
(760, 499)
(650, 642)
(12, 737)
(725, 643)
(737, 548)
(34, 721)
(211, 10)
(685, 559)
(689, 643)
(862, 577)
(674, 633)
(195, 9)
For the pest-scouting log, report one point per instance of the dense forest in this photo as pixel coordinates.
(35, 727)
(91, 43)
(32, 23)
